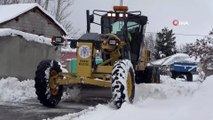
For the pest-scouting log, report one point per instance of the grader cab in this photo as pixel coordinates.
(121, 48)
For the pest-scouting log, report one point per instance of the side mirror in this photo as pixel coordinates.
(57, 41)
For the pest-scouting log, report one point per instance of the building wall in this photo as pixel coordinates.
(34, 22)
(19, 58)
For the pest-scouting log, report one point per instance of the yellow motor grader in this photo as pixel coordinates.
(124, 59)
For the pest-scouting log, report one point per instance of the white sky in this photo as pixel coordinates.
(197, 13)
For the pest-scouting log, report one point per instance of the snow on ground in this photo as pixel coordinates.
(12, 90)
(171, 100)
(168, 88)
(27, 36)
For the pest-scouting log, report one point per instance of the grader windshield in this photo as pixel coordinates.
(123, 26)
(119, 26)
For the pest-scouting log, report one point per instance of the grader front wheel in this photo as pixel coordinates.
(47, 90)
(123, 83)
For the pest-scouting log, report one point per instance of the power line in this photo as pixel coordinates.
(183, 34)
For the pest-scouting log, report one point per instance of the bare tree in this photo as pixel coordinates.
(182, 48)
(38, 1)
(150, 43)
(203, 49)
(4, 2)
(46, 4)
(62, 10)
(62, 14)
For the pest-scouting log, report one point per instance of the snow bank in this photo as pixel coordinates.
(181, 103)
(169, 88)
(202, 103)
(27, 36)
(12, 90)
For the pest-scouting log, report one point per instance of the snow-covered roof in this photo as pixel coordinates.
(9, 12)
(178, 57)
(27, 36)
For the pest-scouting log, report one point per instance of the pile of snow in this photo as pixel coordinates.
(171, 100)
(169, 88)
(12, 90)
(27, 36)
(178, 57)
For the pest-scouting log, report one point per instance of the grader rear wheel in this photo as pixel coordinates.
(123, 83)
(153, 75)
(47, 90)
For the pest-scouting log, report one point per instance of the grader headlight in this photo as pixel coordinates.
(109, 14)
(113, 14)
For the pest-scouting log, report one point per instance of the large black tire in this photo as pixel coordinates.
(46, 95)
(149, 74)
(140, 77)
(157, 75)
(189, 77)
(123, 83)
(153, 74)
(174, 75)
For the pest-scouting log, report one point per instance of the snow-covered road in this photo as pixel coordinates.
(170, 100)
(18, 101)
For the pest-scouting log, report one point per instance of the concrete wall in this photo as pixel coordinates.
(34, 22)
(19, 58)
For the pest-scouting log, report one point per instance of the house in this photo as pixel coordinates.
(25, 39)
(30, 18)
